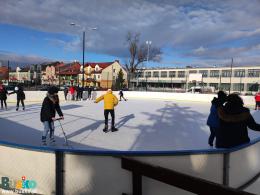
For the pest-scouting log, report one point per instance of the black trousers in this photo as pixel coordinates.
(3, 102)
(112, 113)
(18, 103)
(212, 135)
(121, 96)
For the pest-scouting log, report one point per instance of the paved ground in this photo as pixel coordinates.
(143, 125)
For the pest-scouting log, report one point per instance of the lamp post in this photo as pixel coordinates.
(148, 43)
(83, 50)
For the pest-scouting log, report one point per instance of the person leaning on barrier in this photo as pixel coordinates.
(213, 119)
(234, 120)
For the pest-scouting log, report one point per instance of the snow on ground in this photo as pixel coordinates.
(144, 125)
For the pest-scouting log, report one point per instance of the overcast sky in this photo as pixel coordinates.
(189, 32)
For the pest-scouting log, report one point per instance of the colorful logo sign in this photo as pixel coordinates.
(18, 186)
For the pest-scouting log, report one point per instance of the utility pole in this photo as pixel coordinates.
(231, 66)
(8, 72)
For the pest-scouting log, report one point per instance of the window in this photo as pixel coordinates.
(214, 73)
(114, 70)
(156, 74)
(148, 74)
(172, 74)
(181, 74)
(238, 87)
(226, 73)
(164, 74)
(192, 71)
(225, 86)
(239, 73)
(215, 85)
(204, 73)
(98, 76)
(253, 72)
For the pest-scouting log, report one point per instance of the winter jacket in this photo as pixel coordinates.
(49, 107)
(233, 126)
(3, 92)
(257, 97)
(19, 92)
(121, 93)
(213, 119)
(110, 100)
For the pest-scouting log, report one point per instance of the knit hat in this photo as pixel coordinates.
(53, 90)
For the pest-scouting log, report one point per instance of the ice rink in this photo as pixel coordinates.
(144, 125)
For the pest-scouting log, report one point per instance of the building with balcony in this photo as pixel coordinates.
(102, 75)
(97, 74)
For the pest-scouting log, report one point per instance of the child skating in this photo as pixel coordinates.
(110, 101)
(121, 94)
(49, 107)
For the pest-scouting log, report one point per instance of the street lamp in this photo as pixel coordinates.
(148, 43)
(83, 50)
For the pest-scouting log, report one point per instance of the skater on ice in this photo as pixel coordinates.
(121, 94)
(66, 91)
(234, 121)
(3, 95)
(257, 101)
(89, 92)
(213, 119)
(20, 96)
(110, 101)
(49, 107)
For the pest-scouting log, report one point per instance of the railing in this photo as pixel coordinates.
(180, 180)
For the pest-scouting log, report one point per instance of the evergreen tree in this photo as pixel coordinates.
(120, 81)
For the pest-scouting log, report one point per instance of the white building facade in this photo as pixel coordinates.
(237, 79)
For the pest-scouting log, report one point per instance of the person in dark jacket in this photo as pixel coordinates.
(49, 107)
(20, 96)
(234, 120)
(213, 119)
(121, 95)
(3, 95)
(89, 92)
(66, 90)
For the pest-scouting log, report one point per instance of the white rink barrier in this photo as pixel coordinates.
(38, 96)
(100, 172)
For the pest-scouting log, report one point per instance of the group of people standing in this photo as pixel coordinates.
(18, 90)
(228, 121)
(76, 93)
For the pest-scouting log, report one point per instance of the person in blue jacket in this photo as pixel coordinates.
(213, 118)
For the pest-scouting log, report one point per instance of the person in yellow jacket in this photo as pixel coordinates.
(110, 101)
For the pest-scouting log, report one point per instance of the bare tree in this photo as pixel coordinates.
(139, 53)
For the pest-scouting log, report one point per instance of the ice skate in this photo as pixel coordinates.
(52, 141)
(44, 141)
(113, 129)
(105, 129)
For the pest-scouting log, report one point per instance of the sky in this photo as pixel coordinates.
(189, 32)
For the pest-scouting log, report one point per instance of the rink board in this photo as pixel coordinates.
(162, 132)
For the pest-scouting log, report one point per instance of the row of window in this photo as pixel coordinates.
(205, 73)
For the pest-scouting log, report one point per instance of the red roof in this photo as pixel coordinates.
(3, 72)
(101, 65)
(69, 69)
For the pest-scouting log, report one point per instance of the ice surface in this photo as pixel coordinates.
(144, 125)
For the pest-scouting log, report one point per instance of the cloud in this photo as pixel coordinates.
(17, 59)
(196, 27)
